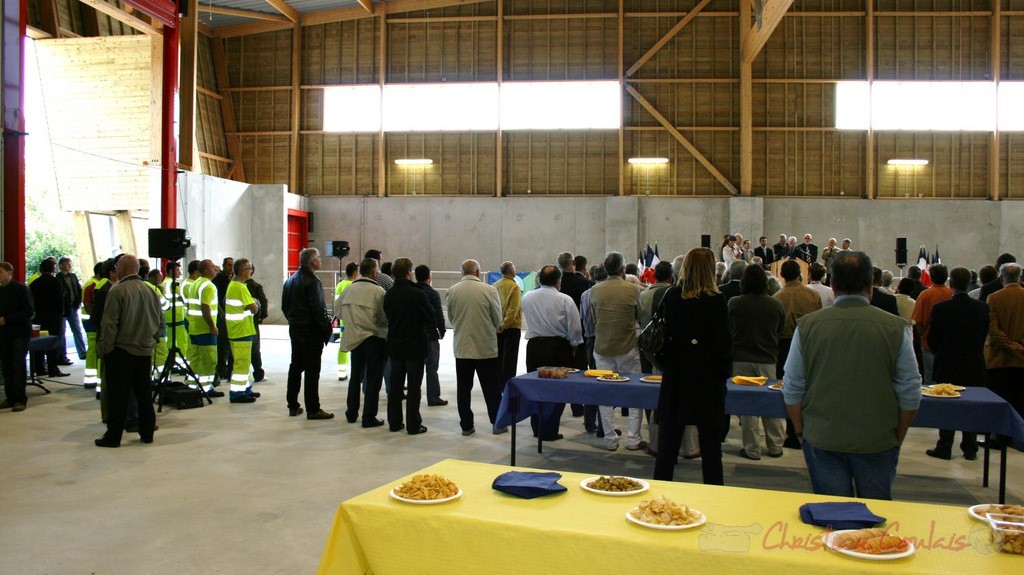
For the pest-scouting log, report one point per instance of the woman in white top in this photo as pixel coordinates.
(729, 249)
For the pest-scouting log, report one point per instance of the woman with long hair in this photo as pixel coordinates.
(698, 360)
(728, 249)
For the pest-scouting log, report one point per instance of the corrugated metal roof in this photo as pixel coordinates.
(300, 6)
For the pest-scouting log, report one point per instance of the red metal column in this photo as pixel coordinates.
(169, 138)
(14, 14)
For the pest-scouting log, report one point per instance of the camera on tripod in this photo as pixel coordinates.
(168, 244)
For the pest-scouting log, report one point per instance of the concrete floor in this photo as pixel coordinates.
(247, 489)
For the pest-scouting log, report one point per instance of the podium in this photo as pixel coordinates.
(777, 266)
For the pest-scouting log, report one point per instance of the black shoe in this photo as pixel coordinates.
(555, 437)
(393, 429)
(939, 454)
(215, 393)
(437, 403)
(351, 418)
(258, 376)
(373, 423)
(320, 415)
(256, 394)
(146, 439)
(792, 444)
(57, 374)
(65, 361)
(971, 456)
(243, 399)
(422, 429)
(104, 442)
(293, 411)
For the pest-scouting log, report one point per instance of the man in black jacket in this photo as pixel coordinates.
(764, 252)
(808, 251)
(47, 294)
(573, 284)
(435, 333)
(258, 294)
(956, 336)
(409, 316)
(309, 328)
(15, 328)
(879, 298)
(222, 280)
(72, 301)
(996, 284)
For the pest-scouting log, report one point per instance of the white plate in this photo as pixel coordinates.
(645, 487)
(925, 393)
(424, 501)
(647, 379)
(830, 538)
(696, 523)
(572, 370)
(779, 388)
(612, 380)
(975, 511)
(955, 387)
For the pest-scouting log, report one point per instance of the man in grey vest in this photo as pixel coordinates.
(852, 387)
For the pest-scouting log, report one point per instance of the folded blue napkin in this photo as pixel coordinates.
(838, 516)
(528, 485)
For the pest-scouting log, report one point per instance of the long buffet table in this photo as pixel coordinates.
(978, 409)
(748, 531)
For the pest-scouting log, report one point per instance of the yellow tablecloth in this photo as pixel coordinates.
(748, 531)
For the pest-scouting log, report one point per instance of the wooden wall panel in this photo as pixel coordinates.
(339, 164)
(561, 162)
(683, 175)
(814, 47)
(262, 111)
(561, 49)
(1011, 165)
(690, 53)
(441, 51)
(802, 163)
(705, 104)
(463, 163)
(933, 48)
(265, 159)
(1012, 48)
(209, 121)
(957, 168)
(260, 60)
(794, 105)
(341, 52)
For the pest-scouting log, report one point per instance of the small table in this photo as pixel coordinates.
(749, 531)
(978, 409)
(40, 343)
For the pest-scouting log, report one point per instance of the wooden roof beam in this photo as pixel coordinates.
(49, 19)
(243, 13)
(283, 7)
(121, 16)
(394, 7)
(252, 28)
(772, 14)
(367, 5)
(704, 161)
(668, 36)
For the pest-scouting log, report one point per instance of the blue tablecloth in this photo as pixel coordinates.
(978, 409)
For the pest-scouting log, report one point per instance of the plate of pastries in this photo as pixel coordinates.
(873, 544)
(651, 379)
(426, 489)
(979, 512)
(614, 377)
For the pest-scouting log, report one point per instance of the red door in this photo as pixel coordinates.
(298, 237)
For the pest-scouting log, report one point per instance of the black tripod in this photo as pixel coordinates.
(173, 354)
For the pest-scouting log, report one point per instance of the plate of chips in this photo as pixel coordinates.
(664, 514)
(651, 379)
(426, 489)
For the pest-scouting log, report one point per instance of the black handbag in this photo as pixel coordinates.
(653, 337)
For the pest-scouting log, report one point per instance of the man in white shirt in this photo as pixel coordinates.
(553, 332)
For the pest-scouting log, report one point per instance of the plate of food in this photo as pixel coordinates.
(426, 489)
(571, 370)
(776, 386)
(614, 485)
(598, 372)
(873, 544)
(651, 379)
(940, 390)
(748, 380)
(615, 377)
(665, 514)
(951, 386)
(980, 511)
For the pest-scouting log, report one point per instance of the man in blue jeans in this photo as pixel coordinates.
(852, 387)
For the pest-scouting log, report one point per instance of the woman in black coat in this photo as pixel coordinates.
(698, 360)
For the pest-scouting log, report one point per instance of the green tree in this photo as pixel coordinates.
(40, 244)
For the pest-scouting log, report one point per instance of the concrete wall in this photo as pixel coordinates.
(442, 232)
(226, 218)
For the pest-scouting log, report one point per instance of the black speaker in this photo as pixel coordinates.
(705, 241)
(168, 243)
(901, 251)
(338, 249)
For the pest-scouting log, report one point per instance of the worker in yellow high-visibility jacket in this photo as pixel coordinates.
(202, 328)
(240, 309)
(92, 362)
(175, 318)
(351, 275)
(153, 280)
